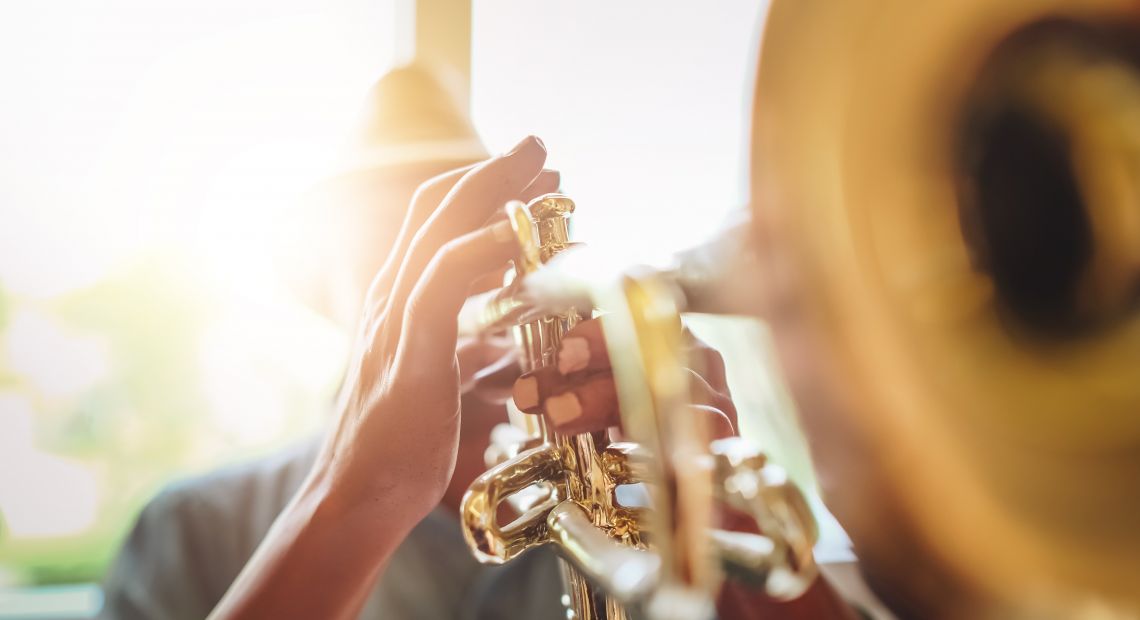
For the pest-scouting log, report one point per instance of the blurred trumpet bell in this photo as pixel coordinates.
(945, 202)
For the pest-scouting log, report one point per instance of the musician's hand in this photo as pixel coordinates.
(394, 446)
(488, 367)
(578, 394)
(391, 452)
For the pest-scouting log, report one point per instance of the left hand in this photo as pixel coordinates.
(578, 394)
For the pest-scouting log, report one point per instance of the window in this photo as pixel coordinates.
(149, 149)
(644, 105)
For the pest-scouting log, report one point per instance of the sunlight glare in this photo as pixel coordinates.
(26, 510)
(58, 362)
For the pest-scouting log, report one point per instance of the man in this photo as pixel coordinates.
(402, 456)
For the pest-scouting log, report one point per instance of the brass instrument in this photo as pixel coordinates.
(662, 561)
(946, 203)
(946, 212)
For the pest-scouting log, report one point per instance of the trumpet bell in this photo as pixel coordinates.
(946, 203)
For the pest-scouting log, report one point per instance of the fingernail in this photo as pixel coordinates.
(573, 355)
(525, 393)
(529, 144)
(564, 408)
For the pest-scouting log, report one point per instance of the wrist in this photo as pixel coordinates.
(371, 517)
(320, 559)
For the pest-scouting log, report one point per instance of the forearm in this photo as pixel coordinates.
(392, 448)
(319, 560)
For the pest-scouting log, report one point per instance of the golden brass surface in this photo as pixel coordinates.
(572, 465)
(944, 199)
(491, 543)
(662, 562)
(946, 232)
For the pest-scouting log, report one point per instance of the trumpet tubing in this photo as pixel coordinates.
(571, 464)
(666, 560)
(946, 217)
(945, 199)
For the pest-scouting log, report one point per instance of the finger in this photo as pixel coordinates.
(482, 192)
(589, 403)
(429, 198)
(733, 519)
(703, 393)
(489, 281)
(716, 422)
(476, 352)
(426, 198)
(583, 404)
(548, 181)
(592, 405)
(583, 349)
(497, 377)
(708, 362)
(472, 200)
(486, 361)
(533, 388)
(430, 317)
(431, 193)
(585, 407)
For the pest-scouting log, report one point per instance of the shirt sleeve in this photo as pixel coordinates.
(191, 541)
(162, 571)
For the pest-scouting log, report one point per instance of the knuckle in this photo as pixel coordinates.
(443, 257)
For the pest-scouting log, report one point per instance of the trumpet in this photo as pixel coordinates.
(943, 209)
(663, 560)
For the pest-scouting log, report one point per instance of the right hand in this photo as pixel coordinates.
(392, 451)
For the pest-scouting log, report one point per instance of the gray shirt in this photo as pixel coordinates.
(193, 539)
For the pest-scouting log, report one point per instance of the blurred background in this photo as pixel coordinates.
(150, 151)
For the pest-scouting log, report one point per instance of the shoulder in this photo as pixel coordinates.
(192, 539)
(250, 494)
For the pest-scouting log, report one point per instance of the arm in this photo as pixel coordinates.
(388, 459)
(319, 559)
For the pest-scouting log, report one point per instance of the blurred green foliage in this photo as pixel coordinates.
(136, 428)
(142, 423)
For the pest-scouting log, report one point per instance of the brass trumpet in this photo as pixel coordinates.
(665, 560)
(944, 197)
